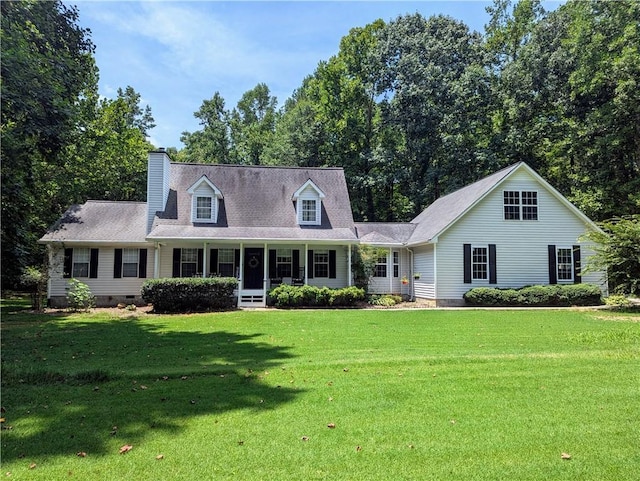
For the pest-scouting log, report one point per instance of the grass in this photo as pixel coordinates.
(433, 394)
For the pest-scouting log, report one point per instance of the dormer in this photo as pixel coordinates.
(308, 199)
(205, 201)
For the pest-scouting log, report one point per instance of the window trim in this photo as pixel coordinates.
(75, 262)
(307, 210)
(281, 265)
(183, 261)
(571, 264)
(486, 263)
(381, 267)
(520, 205)
(321, 263)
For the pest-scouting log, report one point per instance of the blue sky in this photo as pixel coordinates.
(177, 54)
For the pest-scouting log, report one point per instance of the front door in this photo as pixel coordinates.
(253, 273)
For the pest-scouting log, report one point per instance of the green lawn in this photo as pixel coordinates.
(419, 394)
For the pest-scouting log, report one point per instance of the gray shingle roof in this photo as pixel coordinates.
(257, 204)
(100, 221)
(445, 210)
(384, 233)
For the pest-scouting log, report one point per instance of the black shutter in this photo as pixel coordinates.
(467, 263)
(295, 268)
(273, 272)
(493, 277)
(213, 261)
(236, 264)
(200, 268)
(142, 264)
(332, 264)
(93, 264)
(577, 274)
(553, 273)
(177, 256)
(310, 264)
(68, 263)
(117, 264)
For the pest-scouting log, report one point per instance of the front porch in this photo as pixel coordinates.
(258, 268)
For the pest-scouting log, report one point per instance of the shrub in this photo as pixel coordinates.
(297, 296)
(79, 296)
(385, 300)
(618, 301)
(190, 294)
(554, 295)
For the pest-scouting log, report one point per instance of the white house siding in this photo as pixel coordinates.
(423, 259)
(521, 246)
(107, 289)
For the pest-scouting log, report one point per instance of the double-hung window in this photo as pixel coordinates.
(564, 263)
(204, 208)
(308, 210)
(188, 262)
(520, 205)
(396, 264)
(81, 259)
(283, 263)
(479, 263)
(226, 258)
(321, 263)
(130, 258)
(381, 266)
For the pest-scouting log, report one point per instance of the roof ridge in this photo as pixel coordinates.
(291, 167)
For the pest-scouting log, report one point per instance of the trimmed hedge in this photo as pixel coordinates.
(553, 295)
(190, 294)
(310, 296)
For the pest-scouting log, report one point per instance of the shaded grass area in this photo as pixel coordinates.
(249, 395)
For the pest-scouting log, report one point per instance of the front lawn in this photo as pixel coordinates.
(329, 394)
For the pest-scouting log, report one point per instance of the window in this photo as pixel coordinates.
(283, 262)
(204, 208)
(226, 258)
(396, 264)
(130, 262)
(189, 262)
(529, 205)
(564, 263)
(308, 211)
(381, 267)
(520, 205)
(81, 258)
(479, 263)
(321, 263)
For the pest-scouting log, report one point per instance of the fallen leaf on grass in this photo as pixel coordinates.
(126, 448)
(331, 425)
(32, 466)
(160, 456)
(565, 456)
(81, 454)
(305, 438)
(358, 449)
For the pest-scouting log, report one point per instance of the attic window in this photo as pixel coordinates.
(205, 201)
(308, 200)
(520, 205)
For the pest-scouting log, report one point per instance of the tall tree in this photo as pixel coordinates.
(47, 64)
(438, 95)
(212, 144)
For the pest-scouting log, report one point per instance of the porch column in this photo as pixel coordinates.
(349, 274)
(306, 264)
(265, 256)
(156, 261)
(204, 260)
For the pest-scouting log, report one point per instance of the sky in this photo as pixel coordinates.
(176, 54)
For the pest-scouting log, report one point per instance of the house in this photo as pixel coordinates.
(272, 225)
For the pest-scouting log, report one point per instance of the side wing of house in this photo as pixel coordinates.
(521, 233)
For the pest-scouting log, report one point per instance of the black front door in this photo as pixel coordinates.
(253, 273)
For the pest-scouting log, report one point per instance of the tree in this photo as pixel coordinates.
(212, 144)
(252, 125)
(438, 96)
(617, 251)
(47, 65)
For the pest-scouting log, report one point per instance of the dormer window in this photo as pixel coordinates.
(308, 200)
(205, 201)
